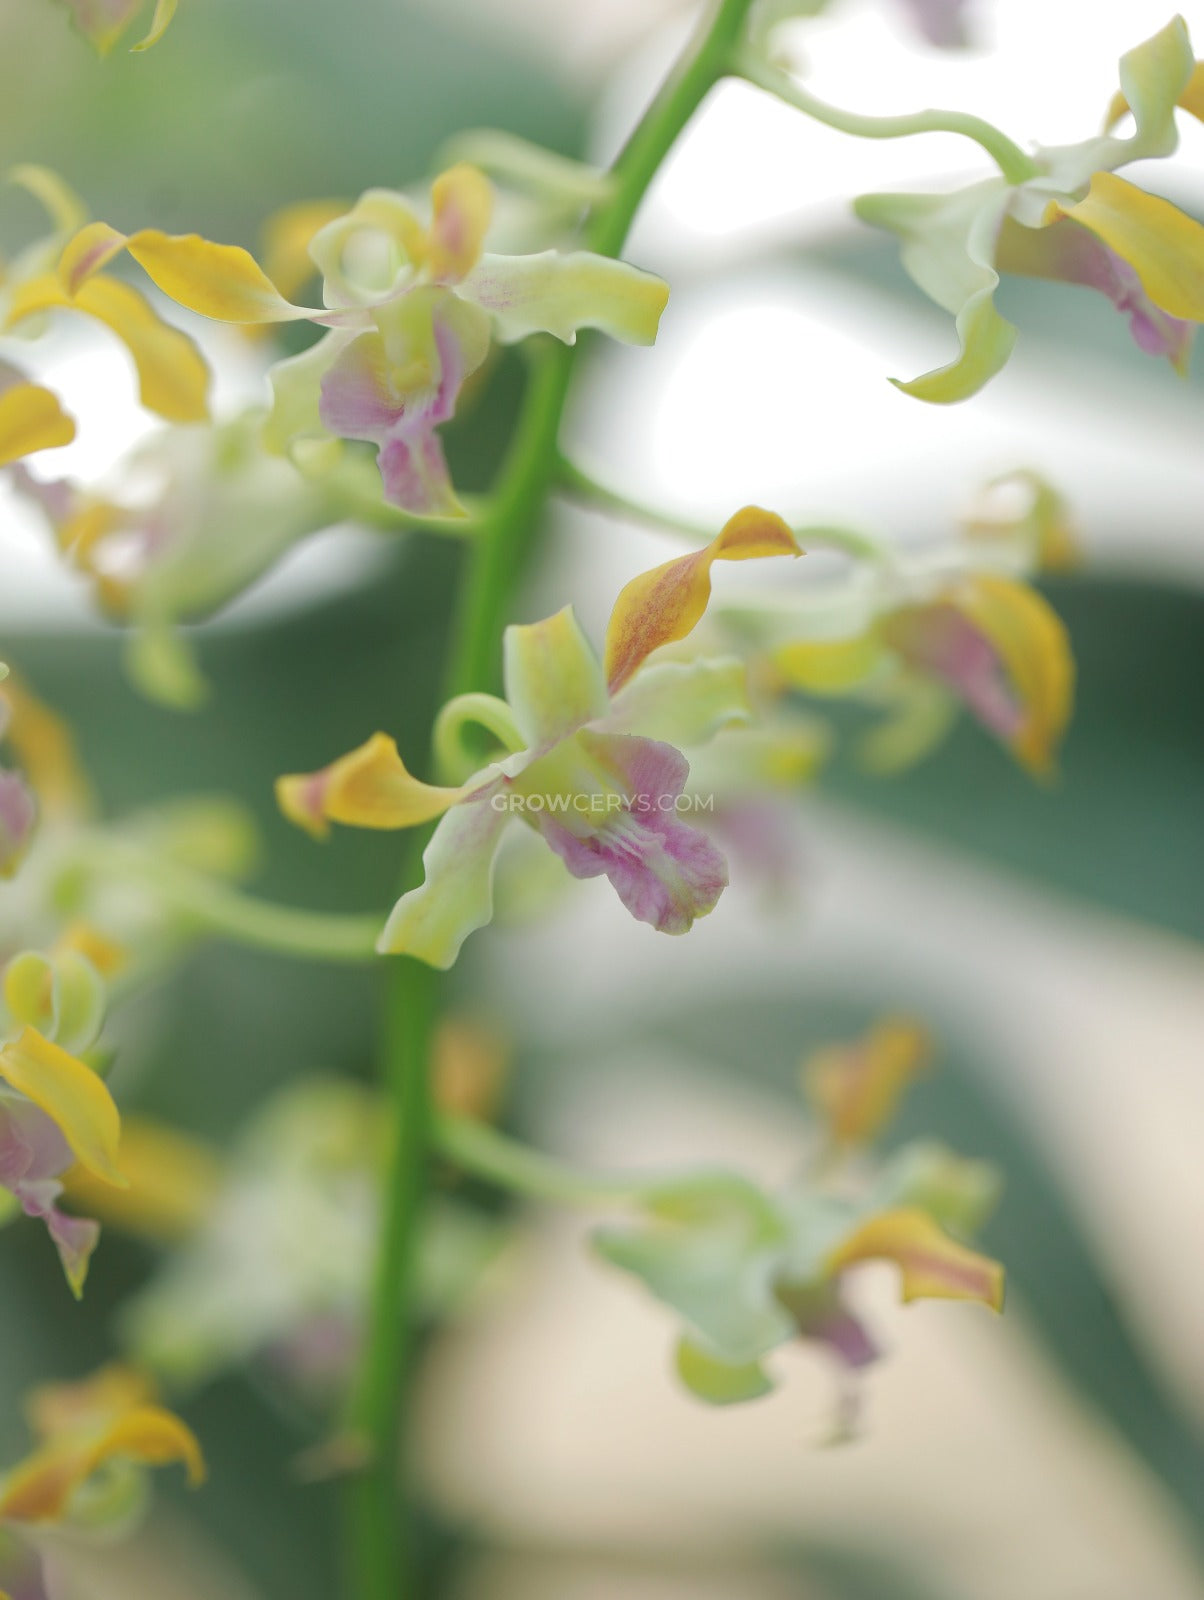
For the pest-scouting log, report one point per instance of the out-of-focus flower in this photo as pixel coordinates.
(995, 643)
(31, 417)
(1024, 512)
(102, 22)
(209, 513)
(278, 1265)
(173, 1183)
(1072, 220)
(856, 1087)
(468, 1069)
(96, 1440)
(55, 1111)
(173, 378)
(411, 307)
(594, 763)
(748, 1271)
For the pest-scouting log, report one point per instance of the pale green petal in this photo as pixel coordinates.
(682, 703)
(717, 1382)
(1152, 78)
(456, 896)
(297, 393)
(947, 245)
(558, 293)
(371, 251)
(553, 678)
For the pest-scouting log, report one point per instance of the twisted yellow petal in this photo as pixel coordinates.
(172, 374)
(221, 281)
(369, 787)
(40, 1490)
(665, 604)
(933, 1266)
(856, 1087)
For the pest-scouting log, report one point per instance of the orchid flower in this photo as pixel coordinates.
(748, 1271)
(96, 1439)
(54, 1109)
(991, 641)
(172, 375)
(1073, 220)
(1023, 512)
(411, 308)
(102, 22)
(274, 1264)
(591, 764)
(221, 513)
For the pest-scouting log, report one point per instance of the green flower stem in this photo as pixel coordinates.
(380, 1544)
(486, 1153)
(499, 1159)
(580, 487)
(216, 908)
(209, 906)
(381, 1548)
(1007, 156)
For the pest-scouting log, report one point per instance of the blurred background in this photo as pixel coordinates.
(1051, 937)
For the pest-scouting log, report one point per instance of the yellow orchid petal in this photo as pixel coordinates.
(154, 1437)
(1163, 245)
(470, 1065)
(1192, 98)
(934, 1266)
(286, 241)
(172, 375)
(42, 1487)
(174, 1181)
(88, 251)
(663, 605)
(1034, 648)
(105, 954)
(1004, 652)
(72, 1096)
(367, 788)
(46, 751)
(31, 419)
(63, 206)
(462, 208)
(856, 1087)
(221, 281)
(164, 11)
(828, 666)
